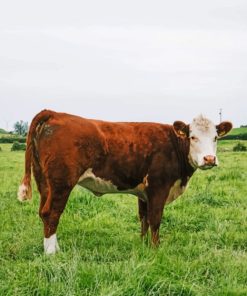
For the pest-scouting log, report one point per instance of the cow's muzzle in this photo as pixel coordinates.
(209, 161)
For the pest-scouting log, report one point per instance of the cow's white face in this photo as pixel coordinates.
(203, 135)
(203, 143)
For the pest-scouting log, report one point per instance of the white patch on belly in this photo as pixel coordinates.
(100, 186)
(175, 191)
(96, 184)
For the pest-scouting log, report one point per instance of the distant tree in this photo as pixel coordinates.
(21, 128)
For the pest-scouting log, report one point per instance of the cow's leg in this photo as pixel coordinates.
(60, 181)
(51, 220)
(155, 211)
(50, 244)
(143, 217)
(50, 213)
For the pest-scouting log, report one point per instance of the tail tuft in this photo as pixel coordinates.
(24, 192)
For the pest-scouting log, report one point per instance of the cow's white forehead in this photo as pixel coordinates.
(203, 125)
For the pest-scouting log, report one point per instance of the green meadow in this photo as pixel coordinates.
(238, 131)
(203, 248)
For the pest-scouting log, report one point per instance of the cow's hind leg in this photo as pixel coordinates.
(155, 211)
(53, 202)
(45, 196)
(143, 217)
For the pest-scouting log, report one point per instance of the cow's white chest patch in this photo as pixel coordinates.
(175, 191)
(100, 186)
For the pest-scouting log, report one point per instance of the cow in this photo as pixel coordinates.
(152, 161)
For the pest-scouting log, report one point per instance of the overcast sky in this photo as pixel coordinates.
(124, 60)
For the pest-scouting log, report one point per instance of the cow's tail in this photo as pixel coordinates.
(25, 189)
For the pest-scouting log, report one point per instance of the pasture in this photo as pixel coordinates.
(203, 247)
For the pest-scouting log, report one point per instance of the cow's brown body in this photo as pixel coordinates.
(141, 158)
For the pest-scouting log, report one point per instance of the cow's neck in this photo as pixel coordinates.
(182, 150)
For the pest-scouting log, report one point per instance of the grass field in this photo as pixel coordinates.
(238, 130)
(203, 247)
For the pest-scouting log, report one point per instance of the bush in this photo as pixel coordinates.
(242, 136)
(10, 140)
(18, 146)
(239, 147)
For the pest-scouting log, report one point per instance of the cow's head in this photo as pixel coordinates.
(203, 135)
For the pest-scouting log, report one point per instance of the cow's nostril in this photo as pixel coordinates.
(209, 159)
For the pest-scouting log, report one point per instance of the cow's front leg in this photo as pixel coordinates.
(156, 204)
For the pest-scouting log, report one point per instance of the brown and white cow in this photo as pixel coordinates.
(150, 160)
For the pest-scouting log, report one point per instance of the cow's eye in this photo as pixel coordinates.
(194, 138)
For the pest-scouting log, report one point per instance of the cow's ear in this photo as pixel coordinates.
(223, 128)
(181, 128)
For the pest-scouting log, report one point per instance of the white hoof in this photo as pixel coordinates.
(22, 192)
(51, 245)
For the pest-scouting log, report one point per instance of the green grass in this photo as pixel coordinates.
(237, 134)
(238, 131)
(2, 131)
(203, 239)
